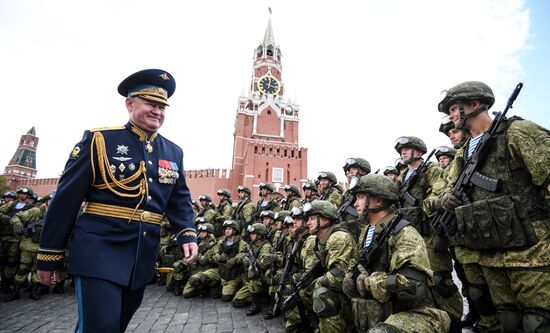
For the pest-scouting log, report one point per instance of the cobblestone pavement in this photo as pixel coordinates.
(160, 312)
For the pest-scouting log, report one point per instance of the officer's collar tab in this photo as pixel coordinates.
(143, 136)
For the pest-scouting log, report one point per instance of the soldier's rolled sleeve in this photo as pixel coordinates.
(64, 207)
(179, 210)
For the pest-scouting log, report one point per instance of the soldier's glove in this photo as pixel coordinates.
(348, 286)
(434, 204)
(203, 260)
(362, 282)
(270, 259)
(449, 202)
(221, 258)
(18, 228)
(231, 262)
(246, 262)
(296, 277)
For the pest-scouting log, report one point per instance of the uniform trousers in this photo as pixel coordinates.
(104, 306)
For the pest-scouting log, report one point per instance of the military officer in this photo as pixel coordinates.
(337, 252)
(130, 177)
(391, 292)
(506, 228)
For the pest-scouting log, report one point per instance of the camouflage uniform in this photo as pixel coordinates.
(165, 259)
(445, 293)
(205, 261)
(244, 212)
(516, 273)
(223, 212)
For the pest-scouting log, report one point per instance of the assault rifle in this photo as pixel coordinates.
(372, 252)
(313, 273)
(445, 223)
(286, 274)
(409, 183)
(31, 228)
(347, 207)
(253, 260)
(274, 249)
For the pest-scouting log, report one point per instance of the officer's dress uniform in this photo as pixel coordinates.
(129, 180)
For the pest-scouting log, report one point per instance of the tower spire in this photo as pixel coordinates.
(268, 36)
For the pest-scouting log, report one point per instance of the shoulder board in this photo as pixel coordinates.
(112, 128)
(400, 225)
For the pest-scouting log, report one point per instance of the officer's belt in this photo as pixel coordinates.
(120, 212)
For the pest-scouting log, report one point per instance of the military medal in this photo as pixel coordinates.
(113, 168)
(122, 149)
(121, 167)
(148, 147)
(121, 176)
(168, 172)
(131, 167)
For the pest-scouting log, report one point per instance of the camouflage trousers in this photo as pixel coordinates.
(519, 289)
(249, 287)
(27, 261)
(9, 257)
(292, 317)
(475, 277)
(207, 279)
(341, 322)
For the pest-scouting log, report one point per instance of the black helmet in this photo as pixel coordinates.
(245, 189)
(357, 162)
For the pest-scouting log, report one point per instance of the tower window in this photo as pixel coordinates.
(269, 51)
(269, 112)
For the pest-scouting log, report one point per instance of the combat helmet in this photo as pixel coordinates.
(9, 194)
(390, 169)
(242, 188)
(258, 228)
(233, 224)
(267, 186)
(446, 125)
(377, 185)
(410, 141)
(225, 192)
(205, 197)
(267, 213)
(445, 151)
(357, 162)
(327, 175)
(467, 91)
(280, 216)
(322, 208)
(208, 227)
(293, 188)
(310, 185)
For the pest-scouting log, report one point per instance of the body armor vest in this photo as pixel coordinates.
(239, 211)
(415, 214)
(501, 219)
(226, 272)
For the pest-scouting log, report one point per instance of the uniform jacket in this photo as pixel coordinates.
(123, 167)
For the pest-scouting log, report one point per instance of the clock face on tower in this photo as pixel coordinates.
(269, 85)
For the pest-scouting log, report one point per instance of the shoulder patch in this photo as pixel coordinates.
(76, 151)
(112, 128)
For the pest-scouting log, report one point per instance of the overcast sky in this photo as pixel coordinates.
(363, 72)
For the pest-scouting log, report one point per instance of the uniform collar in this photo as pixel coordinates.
(385, 220)
(143, 136)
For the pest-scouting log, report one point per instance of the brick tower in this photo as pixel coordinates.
(266, 147)
(23, 163)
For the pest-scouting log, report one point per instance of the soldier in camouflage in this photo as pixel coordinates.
(28, 224)
(164, 257)
(267, 200)
(507, 229)
(259, 250)
(337, 252)
(224, 210)
(293, 197)
(268, 219)
(310, 192)
(391, 172)
(445, 155)
(446, 294)
(9, 241)
(391, 293)
(244, 212)
(208, 210)
(329, 189)
(205, 261)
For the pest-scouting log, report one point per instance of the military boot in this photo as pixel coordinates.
(470, 318)
(178, 287)
(256, 307)
(36, 291)
(6, 284)
(59, 288)
(14, 294)
(270, 314)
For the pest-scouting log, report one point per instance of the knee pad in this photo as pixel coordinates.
(509, 319)
(481, 297)
(205, 280)
(536, 321)
(384, 328)
(326, 303)
(195, 281)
